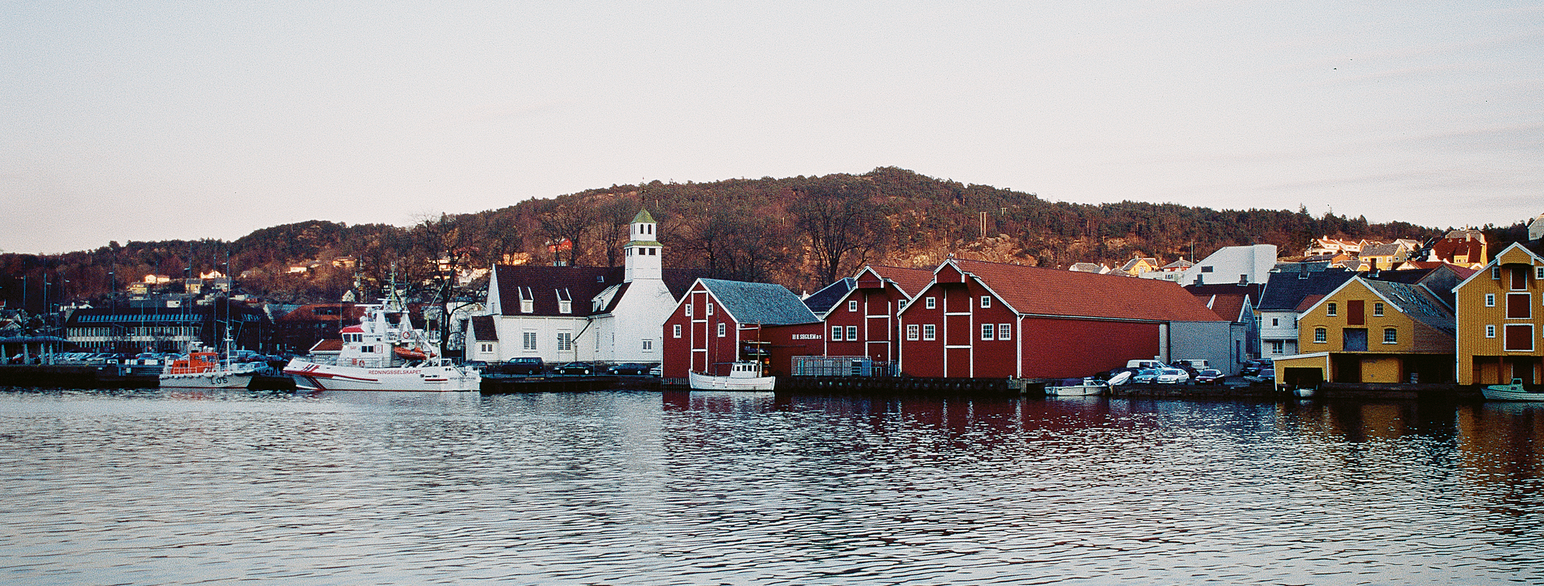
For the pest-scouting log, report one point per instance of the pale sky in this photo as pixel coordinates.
(147, 120)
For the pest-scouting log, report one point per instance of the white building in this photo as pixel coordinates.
(562, 314)
(1233, 265)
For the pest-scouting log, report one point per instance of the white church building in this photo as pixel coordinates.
(594, 314)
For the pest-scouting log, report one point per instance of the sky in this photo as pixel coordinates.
(148, 120)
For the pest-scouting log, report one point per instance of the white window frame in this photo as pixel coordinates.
(1330, 309)
(1005, 331)
(710, 308)
(565, 341)
(836, 333)
(1490, 300)
(1490, 331)
(723, 330)
(929, 332)
(852, 333)
(912, 332)
(528, 340)
(1495, 273)
(1538, 273)
(988, 331)
(932, 303)
(852, 306)
(1321, 335)
(986, 301)
(677, 330)
(1390, 336)
(1377, 309)
(688, 309)
(648, 345)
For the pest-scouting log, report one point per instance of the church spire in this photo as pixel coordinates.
(642, 249)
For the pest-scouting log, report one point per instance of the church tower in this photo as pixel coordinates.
(643, 250)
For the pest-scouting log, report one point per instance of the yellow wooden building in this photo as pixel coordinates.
(1377, 331)
(1500, 312)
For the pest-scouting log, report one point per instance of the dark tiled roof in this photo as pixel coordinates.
(483, 328)
(760, 303)
(1284, 291)
(1417, 302)
(547, 285)
(822, 300)
(1041, 291)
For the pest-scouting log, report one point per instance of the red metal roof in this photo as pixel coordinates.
(911, 281)
(1041, 291)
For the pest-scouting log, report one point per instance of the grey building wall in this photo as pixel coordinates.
(1219, 343)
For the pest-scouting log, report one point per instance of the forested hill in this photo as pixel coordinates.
(802, 232)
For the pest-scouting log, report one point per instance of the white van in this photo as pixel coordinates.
(1145, 364)
(1192, 363)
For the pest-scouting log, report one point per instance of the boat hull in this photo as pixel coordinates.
(1075, 391)
(1514, 392)
(207, 380)
(704, 382)
(313, 376)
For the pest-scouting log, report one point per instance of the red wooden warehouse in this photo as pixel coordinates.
(990, 320)
(864, 322)
(718, 322)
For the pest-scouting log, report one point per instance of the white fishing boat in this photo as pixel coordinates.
(384, 353)
(1511, 392)
(743, 376)
(1085, 387)
(202, 368)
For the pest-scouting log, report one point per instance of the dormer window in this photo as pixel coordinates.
(565, 301)
(527, 299)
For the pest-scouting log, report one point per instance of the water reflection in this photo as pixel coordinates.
(644, 487)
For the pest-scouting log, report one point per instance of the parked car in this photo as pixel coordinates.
(1251, 368)
(633, 368)
(1171, 376)
(1208, 376)
(1145, 376)
(519, 365)
(658, 370)
(574, 368)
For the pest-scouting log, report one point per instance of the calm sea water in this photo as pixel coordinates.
(162, 487)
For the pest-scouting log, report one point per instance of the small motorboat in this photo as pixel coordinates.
(1511, 392)
(1087, 386)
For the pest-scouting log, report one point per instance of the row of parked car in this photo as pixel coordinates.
(1178, 372)
(531, 365)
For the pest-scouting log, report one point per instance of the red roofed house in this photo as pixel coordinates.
(989, 320)
(1465, 248)
(865, 321)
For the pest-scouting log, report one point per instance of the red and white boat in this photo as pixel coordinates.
(383, 353)
(202, 368)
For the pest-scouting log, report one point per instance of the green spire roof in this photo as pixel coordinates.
(643, 217)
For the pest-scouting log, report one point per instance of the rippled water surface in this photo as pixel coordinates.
(161, 487)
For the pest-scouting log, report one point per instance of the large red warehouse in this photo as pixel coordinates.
(989, 320)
